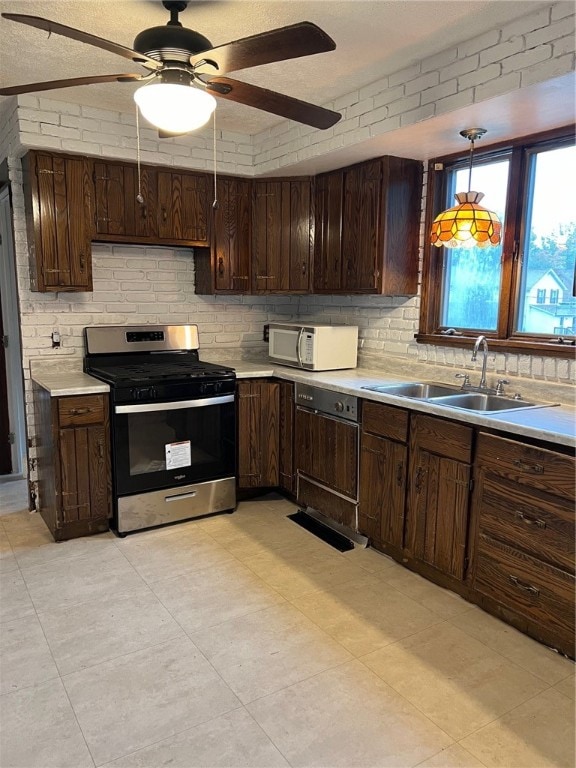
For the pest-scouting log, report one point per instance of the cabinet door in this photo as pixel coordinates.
(118, 214)
(326, 450)
(258, 447)
(297, 202)
(287, 479)
(328, 232)
(282, 235)
(232, 236)
(437, 515)
(58, 201)
(183, 207)
(360, 229)
(84, 478)
(267, 234)
(382, 490)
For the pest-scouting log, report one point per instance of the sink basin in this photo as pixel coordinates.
(417, 390)
(477, 401)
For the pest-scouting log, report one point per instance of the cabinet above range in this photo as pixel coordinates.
(352, 231)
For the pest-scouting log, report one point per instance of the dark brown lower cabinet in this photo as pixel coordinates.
(73, 463)
(523, 512)
(286, 473)
(383, 467)
(438, 493)
(258, 434)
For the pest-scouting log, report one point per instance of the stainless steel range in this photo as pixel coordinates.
(173, 424)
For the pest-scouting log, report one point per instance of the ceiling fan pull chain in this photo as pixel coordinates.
(139, 196)
(215, 203)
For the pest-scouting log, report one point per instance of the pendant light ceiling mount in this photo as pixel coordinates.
(468, 224)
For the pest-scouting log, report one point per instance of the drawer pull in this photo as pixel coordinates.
(79, 411)
(529, 520)
(535, 469)
(523, 586)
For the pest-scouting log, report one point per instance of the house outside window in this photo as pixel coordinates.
(521, 292)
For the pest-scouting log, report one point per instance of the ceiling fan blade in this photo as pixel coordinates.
(270, 101)
(84, 37)
(290, 42)
(14, 90)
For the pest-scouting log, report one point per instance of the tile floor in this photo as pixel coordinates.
(242, 640)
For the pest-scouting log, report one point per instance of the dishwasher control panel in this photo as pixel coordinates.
(326, 401)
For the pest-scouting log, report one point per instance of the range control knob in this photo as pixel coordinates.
(339, 406)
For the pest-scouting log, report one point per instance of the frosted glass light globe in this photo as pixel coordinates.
(173, 107)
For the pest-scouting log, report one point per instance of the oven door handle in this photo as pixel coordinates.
(174, 406)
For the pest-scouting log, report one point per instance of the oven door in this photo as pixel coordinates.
(167, 444)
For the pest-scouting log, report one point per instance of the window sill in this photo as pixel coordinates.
(515, 346)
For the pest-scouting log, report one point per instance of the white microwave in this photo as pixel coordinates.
(313, 346)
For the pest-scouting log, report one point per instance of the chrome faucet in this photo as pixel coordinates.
(481, 342)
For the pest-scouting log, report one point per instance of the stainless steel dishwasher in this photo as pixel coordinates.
(326, 454)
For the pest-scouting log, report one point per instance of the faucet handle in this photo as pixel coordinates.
(500, 386)
(464, 376)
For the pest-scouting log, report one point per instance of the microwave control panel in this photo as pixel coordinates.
(307, 348)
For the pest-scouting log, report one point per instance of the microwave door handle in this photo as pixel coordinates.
(298, 346)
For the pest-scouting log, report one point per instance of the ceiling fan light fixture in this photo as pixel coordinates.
(468, 224)
(173, 107)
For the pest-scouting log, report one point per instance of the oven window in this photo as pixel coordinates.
(161, 448)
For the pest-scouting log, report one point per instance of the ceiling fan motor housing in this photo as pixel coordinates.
(171, 43)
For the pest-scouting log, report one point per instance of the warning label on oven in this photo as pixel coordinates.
(178, 455)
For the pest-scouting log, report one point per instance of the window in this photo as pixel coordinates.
(521, 292)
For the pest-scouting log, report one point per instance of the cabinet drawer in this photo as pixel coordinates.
(541, 525)
(527, 586)
(538, 468)
(385, 421)
(81, 410)
(442, 437)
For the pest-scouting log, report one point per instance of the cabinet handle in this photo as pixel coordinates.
(371, 450)
(79, 411)
(82, 262)
(144, 210)
(265, 277)
(100, 451)
(523, 586)
(529, 520)
(221, 266)
(303, 267)
(164, 214)
(399, 474)
(535, 469)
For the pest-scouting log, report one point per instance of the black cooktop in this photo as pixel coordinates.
(136, 373)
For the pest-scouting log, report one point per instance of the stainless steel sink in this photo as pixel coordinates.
(417, 390)
(478, 401)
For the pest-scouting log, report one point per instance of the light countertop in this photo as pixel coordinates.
(63, 383)
(555, 424)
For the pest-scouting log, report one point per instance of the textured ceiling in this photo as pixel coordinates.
(373, 38)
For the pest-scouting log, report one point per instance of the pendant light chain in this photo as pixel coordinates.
(139, 196)
(470, 168)
(215, 203)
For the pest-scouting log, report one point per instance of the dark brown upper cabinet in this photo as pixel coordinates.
(282, 235)
(367, 228)
(225, 268)
(183, 205)
(118, 215)
(58, 202)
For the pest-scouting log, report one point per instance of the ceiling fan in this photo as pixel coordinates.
(175, 55)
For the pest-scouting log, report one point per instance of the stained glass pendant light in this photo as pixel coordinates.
(467, 224)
